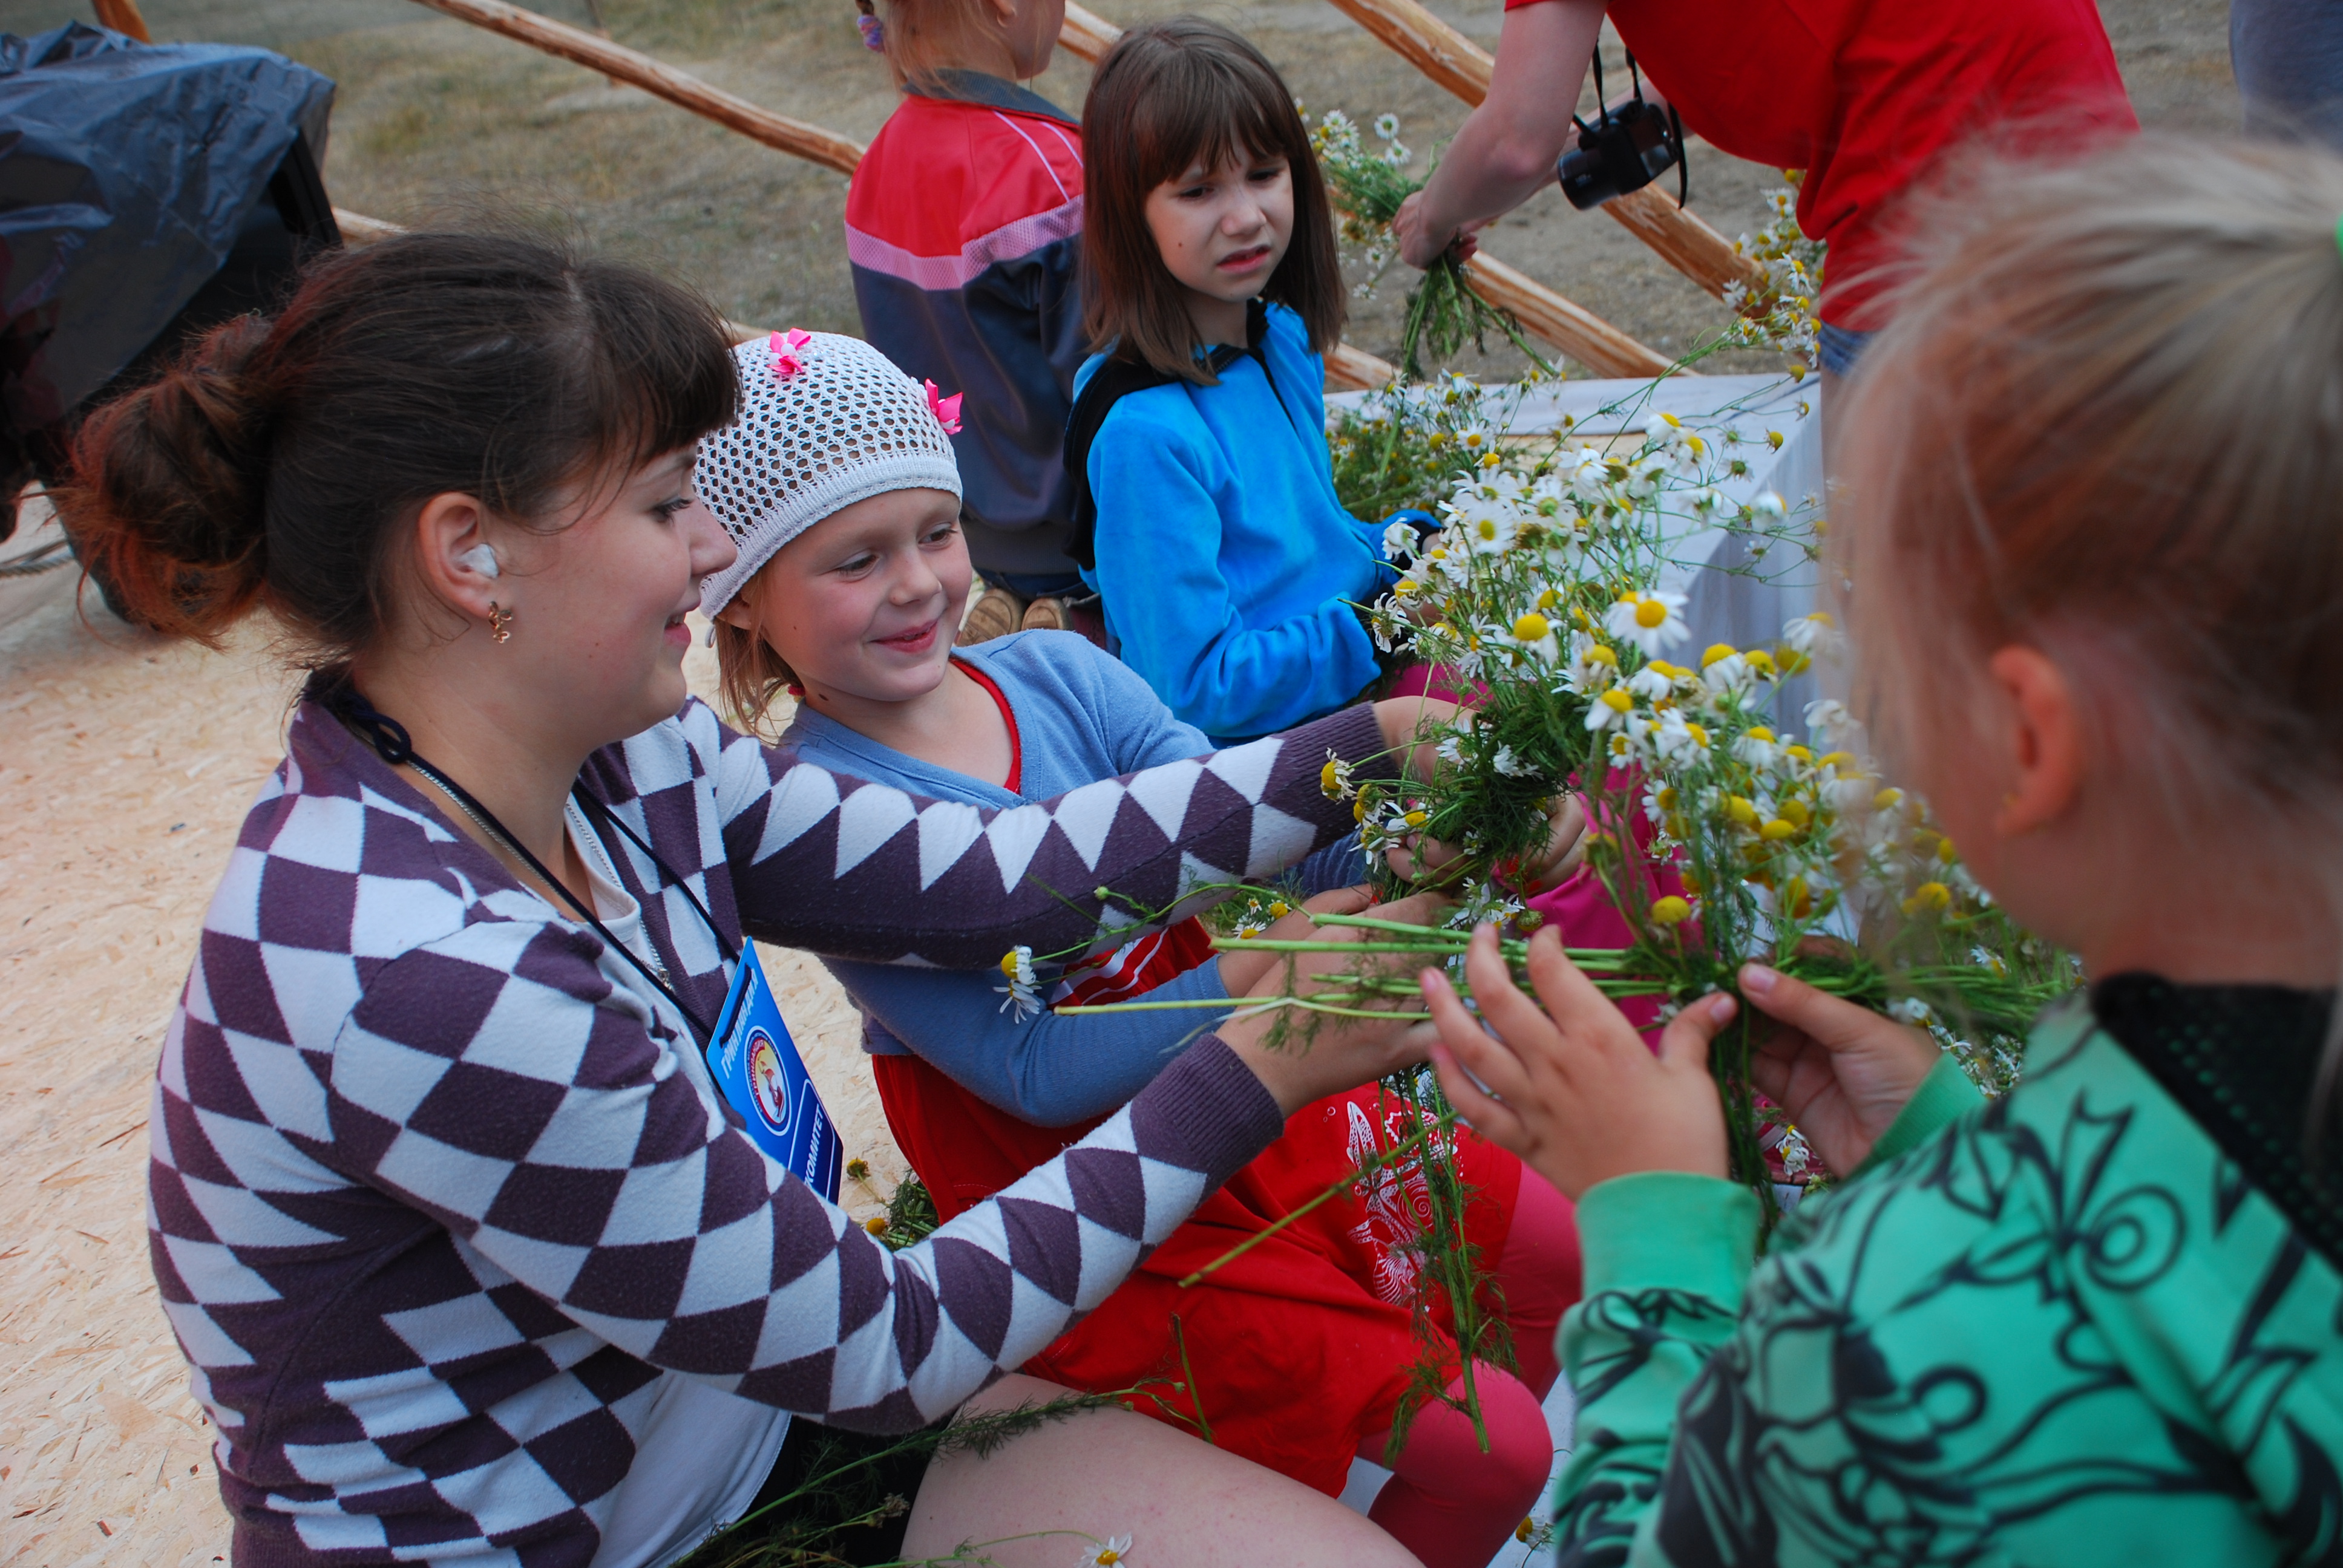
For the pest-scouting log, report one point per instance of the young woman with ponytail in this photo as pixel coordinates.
(471, 1261)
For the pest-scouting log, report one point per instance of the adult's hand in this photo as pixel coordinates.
(1569, 1085)
(1420, 244)
(1414, 727)
(1842, 1071)
(1339, 1053)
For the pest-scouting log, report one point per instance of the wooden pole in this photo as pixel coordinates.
(1464, 67)
(680, 89)
(1549, 317)
(1543, 314)
(123, 16)
(1350, 369)
(358, 229)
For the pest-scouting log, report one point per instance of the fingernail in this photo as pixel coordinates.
(1721, 1010)
(1757, 979)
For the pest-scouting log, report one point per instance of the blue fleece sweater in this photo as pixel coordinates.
(1081, 716)
(1227, 564)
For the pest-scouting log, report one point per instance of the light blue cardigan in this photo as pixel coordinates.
(1228, 566)
(1081, 716)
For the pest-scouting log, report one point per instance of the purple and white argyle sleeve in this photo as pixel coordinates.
(859, 871)
(497, 1082)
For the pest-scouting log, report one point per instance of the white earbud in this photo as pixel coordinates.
(483, 561)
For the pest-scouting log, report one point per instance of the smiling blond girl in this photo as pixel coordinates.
(1205, 510)
(1296, 1354)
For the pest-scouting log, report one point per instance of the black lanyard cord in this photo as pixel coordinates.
(394, 746)
(601, 816)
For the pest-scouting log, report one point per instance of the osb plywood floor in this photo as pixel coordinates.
(125, 765)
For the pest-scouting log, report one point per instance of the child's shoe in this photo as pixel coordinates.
(997, 614)
(1046, 615)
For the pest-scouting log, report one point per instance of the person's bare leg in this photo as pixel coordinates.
(1108, 1474)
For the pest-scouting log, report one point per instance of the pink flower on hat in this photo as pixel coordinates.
(945, 410)
(786, 346)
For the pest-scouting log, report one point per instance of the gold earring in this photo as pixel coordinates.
(499, 624)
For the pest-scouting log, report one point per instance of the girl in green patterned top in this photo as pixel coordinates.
(2091, 482)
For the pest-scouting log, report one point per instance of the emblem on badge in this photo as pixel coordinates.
(766, 1085)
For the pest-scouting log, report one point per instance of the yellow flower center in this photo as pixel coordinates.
(1800, 752)
(1671, 671)
(1741, 809)
(1763, 663)
(1886, 799)
(1617, 701)
(1777, 828)
(1486, 528)
(1531, 627)
(1009, 964)
(875, 1225)
(1699, 735)
(1110, 1556)
(1945, 852)
(1928, 896)
(1759, 732)
(1717, 651)
(1279, 909)
(1834, 758)
(1416, 819)
(1599, 653)
(1549, 600)
(1650, 612)
(1794, 812)
(1670, 910)
(1405, 586)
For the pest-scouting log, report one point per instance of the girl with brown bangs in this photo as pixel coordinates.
(1205, 511)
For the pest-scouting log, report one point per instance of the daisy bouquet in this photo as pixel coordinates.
(1723, 830)
(1367, 188)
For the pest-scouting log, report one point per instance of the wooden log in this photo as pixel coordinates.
(1549, 317)
(1543, 314)
(1442, 52)
(359, 229)
(1350, 369)
(1085, 35)
(680, 89)
(123, 16)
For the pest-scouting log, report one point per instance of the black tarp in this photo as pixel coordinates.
(127, 172)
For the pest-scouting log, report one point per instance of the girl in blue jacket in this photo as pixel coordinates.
(1205, 508)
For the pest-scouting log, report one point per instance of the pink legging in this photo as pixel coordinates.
(1450, 1503)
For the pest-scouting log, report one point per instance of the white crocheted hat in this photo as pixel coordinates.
(825, 421)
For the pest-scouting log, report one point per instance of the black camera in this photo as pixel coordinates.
(1626, 149)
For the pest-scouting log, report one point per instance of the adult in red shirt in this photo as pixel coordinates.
(1863, 94)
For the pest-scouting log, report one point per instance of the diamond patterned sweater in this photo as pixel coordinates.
(436, 1216)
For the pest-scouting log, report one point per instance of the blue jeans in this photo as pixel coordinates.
(1840, 346)
(2288, 58)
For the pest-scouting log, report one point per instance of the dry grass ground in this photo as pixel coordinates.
(125, 764)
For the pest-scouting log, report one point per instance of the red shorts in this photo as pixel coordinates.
(1300, 1349)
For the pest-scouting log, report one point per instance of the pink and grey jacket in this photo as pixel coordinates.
(435, 1214)
(963, 224)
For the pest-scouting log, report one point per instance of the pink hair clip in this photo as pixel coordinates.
(945, 410)
(786, 346)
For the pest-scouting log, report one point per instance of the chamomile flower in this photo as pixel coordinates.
(1766, 507)
(1107, 1553)
(1610, 711)
(1017, 967)
(1757, 746)
(1506, 763)
(1334, 778)
(1725, 670)
(1399, 542)
(1656, 680)
(1387, 126)
(1678, 739)
(1594, 666)
(1533, 635)
(1652, 621)
(1811, 634)
(1487, 525)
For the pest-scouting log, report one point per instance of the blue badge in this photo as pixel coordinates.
(757, 1065)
